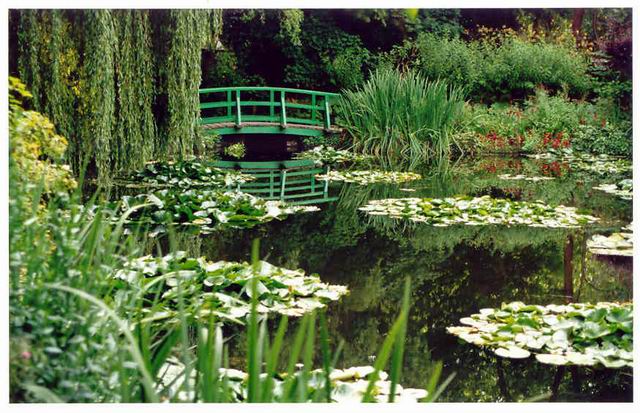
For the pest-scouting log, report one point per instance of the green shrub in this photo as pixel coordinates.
(545, 122)
(612, 138)
(329, 58)
(519, 66)
(452, 60)
(495, 68)
(401, 118)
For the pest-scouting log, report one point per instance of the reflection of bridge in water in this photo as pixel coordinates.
(292, 181)
(251, 112)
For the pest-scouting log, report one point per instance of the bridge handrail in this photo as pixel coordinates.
(276, 103)
(267, 89)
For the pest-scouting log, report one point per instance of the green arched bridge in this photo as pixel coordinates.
(266, 110)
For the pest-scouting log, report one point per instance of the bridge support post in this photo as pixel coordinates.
(283, 111)
(238, 110)
(327, 116)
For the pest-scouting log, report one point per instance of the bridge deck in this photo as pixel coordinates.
(270, 127)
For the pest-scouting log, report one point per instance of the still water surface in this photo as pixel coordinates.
(455, 271)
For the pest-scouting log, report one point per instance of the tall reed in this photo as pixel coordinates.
(402, 119)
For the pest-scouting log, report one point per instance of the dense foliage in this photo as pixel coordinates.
(36, 150)
(120, 84)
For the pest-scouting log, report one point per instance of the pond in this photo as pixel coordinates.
(455, 271)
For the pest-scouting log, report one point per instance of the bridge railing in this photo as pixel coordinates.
(272, 105)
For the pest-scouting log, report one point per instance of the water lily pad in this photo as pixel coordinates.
(185, 174)
(224, 288)
(206, 210)
(509, 177)
(328, 155)
(478, 211)
(369, 177)
(578, 333)
(513, 352)
(623, 189)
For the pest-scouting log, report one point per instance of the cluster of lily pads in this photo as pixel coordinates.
(509, 177)
(347, 385)
(623, 189)
(207, 210)
(369, 177)
(478, 211)
(222, 288)
(186, 174)
(599, 164)
(328, 155)
(572, 334)
(618, 243)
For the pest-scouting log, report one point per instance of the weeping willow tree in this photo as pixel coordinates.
(186, 32)
(98, 91)
(121, 85)
(136, 128)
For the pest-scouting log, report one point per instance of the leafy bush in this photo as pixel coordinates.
(36, 149)
(612, 138)
(329, 58)
(495, 68)
(400, 118)
(545, 122)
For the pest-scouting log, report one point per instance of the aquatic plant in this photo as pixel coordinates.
(328, 155)
(478, 211)
(221, 288)
(237, 150)
(347, 385)
(401, 118)
(185, 174)
(618, 243)
(207, 210)
(623, 189)
(599, 164)
(572, 334)
(369, 177)
(509, 177)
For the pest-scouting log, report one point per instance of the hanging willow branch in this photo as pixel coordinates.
(62, 57)
(188, 35)
(135, 130)
(121, 85)
(30, 35)
(98, 90)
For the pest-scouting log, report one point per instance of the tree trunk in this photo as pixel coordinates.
(576, 24)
